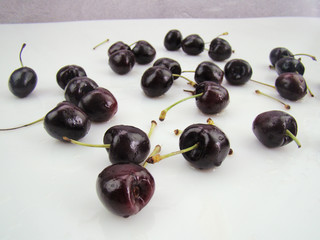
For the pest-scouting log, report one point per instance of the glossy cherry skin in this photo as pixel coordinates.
(144, 52)
(66, 73)
(172, 40)
(270, 128)
(219, 49)
(22, 81)
(68, 120)
(215, 97)
(156, 81)
(99, 104)
(291, 86)
(289, 64)
(122, 61)
(169, 63)
(118, 46)
(214, 146)
(125, 188)
(237, 71)
(77, 88)
(208, 71)
(278, 53)
(127, 144)
(192, 44)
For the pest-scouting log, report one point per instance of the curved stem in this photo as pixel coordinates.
(164, 112)
(190, 82)
(278, 100)
(308, 55)
(85, 144)
(105, 41)
(23, 46)
(25, 125)
(293, 137)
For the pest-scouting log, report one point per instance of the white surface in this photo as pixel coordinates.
(48, 187)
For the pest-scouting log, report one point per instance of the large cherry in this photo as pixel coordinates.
(237, 71)
(208, 71)
(66, 119)
(192, 44)
(122, 61)
(291, 86)
(171, 64)
(144, 52)
(125, 188)
(67, 73)
(219, 49)
(172, 40)
(275, 128)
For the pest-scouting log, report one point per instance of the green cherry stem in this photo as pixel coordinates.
(155, 151)
(23, 46)
(293, 137)
(105, 41)
(85, 144)
(305, 54)
(164, 112)
(153, 125)
(190, 82)
(278, 100)
(265, 84)
(25, 125)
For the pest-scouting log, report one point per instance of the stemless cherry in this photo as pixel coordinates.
(171, 64)
(219, 49)
(99, 104)
(144, 52)
(291, 86)
(122, 61)
(237, 71)
(118, 46)
(68, 72)
(289, 64)
(208, 71)
(192, 44)
(77, 88)
(172, 40)
(66, 119)
(125, 188)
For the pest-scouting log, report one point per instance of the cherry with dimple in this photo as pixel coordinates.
(170, 64)
(144, 52)
(67, 73)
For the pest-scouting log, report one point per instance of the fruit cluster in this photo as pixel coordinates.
(126, 186)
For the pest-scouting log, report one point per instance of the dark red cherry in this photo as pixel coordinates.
(144, 52)
(117, 46)
(237, 71)
(77, 88)
(214, 99)
(156, 81)
(208, 71)
(291, 86)
(99, 104)
(278, 53)
(127, 144)
(172, 40)
(122, 61)
(219, 49)
(213, 145)
(66, 119)
(169, 63)
(289, 64)
(23, 80)
(66, 73)
(125, 188)
(192, 44)
(273, 128)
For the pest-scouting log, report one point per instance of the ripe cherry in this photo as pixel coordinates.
(68, 72)
(125, 188)
(237, 71)
(275, 129)
(219, 49)
(23, 80)
(208, 71)
(118, 46)
(99, 104)
(156, 81)
(122, 61)
(172, 40)
(289, 64)
(144, 52)
(280, 52)
(171, 64)
(192, 44)
(291, 86)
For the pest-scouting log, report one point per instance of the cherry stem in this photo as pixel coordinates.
(164, 112)
(190, 82)
(26, 125)
(23, 46)
(153, 125)
(156, 158)
(155, 151)
(265, 84)
(278, 100)
(311, 94)
(105, 41)
(85, 144)
(308, 55)
(188, 71)
(293, 137)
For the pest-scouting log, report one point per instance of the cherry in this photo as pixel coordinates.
(122, 61)
(156, 81)
(208, 71)
(23, 80)
(275, 128)
(172, 40)
(66, 119)
(77, 88)
(219, 49)
(192, 44)
(99, 104)
(68, 72)
(237, 71)
(144, 52)
(291, 86)
(118, 46)
(125, 188)
(289, 64)
(171, 64)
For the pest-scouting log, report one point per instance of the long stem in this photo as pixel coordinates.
(85, 144)
(265, 84)
(25, 125)
(105, 41)
(294, 138)
(23, 46)
(155, 151)
(278, 100)
(190, 82)
(308, 55)
(156, 158)
(164, 112)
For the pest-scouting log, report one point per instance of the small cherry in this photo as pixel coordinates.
(118, 46)
(67, 73)
(237, 71)
(122, 61)
(219, 49)
(275, 129)
(208, 71)
(172, 40)
(193, 44)
(144, 52)
(23, 80)
(171, 64)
